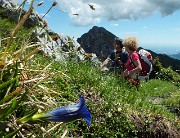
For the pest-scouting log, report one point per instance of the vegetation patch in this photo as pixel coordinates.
(31, 82)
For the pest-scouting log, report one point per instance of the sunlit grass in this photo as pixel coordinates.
(31, 81)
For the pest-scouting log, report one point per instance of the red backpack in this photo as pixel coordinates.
(146, 63)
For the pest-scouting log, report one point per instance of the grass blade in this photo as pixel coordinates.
(9, 110)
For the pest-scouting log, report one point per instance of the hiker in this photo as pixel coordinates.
(133, 65)
(118, 57)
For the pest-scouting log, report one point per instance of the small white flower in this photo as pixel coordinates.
(109, 114)
(119, 109)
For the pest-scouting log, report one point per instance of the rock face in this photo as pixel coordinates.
(98, 40)
(9, 9)
(7, 3)
(54, 45)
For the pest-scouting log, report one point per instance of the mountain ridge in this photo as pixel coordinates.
(176, 56)
(93, 41)
(99, 41)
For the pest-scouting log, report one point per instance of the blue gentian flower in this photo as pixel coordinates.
(70, 113)
(62, 114)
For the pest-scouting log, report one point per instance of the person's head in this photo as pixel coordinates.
(118, 43)
(131, 43)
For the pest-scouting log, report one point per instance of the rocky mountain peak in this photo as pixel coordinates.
(97, 40)
(98, 30)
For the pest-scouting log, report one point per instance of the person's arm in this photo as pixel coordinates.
(137, 69)
(105, 62)
(136, 63)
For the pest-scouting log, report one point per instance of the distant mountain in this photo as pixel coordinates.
(99, 41)
(167, 61)
(176, 56)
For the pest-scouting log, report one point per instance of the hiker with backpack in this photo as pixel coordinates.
(139, 64)
(117, 58)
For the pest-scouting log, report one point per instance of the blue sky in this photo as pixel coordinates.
(156, 23)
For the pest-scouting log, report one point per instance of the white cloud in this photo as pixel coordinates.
(114, 24)
(116, 10)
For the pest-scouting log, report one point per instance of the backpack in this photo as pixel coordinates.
(146, 63)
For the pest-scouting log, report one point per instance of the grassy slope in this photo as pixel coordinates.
(118, 109)
(113, 102)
